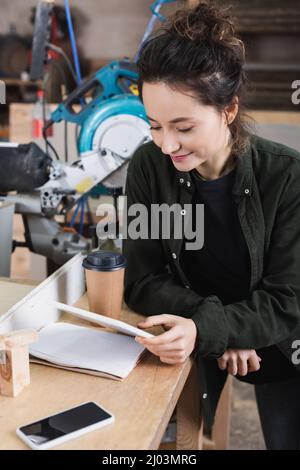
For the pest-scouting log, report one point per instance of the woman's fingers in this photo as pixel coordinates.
(167, 337)
(239, 361)
(156, 320)
(171, 351)
(173, 347)
(222, 362)
(242, 365)
(254, 362)
(232, 364)
(171, 357)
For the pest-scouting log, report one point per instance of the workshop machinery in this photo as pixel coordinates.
(113, 124)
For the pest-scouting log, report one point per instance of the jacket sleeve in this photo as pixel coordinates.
(272, 311)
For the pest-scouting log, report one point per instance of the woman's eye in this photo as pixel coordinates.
(185, 130)
(179, 130)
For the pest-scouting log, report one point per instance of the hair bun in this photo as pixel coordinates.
(208, 22)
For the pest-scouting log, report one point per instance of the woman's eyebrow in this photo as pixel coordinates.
(179, 119)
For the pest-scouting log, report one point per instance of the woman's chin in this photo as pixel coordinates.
(185, 166)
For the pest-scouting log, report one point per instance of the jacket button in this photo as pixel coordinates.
(204, 395)
(183, 212)
(181, 180)
(188, 184)
(247, 191)
(174, 255)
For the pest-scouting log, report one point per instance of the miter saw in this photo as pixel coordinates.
(112, 125)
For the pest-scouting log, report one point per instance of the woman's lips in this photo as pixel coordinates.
(180, 158)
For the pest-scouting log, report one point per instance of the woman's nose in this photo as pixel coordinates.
(169, 145)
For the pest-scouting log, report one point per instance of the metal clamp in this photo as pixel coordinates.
(2, 358)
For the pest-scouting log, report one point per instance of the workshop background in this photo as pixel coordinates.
(111, 30)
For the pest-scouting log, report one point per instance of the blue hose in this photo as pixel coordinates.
(74, 216)
(81, 223)
(155, 7)
(80, 206)
(73, 42)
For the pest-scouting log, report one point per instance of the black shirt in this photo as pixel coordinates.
(222, 267)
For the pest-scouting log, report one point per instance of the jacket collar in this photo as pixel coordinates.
(243, 184)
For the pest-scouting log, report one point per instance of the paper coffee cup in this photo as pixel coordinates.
(104, 274)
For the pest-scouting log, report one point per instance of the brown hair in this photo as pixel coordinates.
(197, 50)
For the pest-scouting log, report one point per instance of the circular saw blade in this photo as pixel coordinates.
(121, 134)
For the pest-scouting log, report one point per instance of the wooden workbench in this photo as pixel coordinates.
(142, 404)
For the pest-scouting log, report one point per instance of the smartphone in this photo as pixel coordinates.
(61, 427)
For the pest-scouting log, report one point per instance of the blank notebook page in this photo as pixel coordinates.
(77, 346)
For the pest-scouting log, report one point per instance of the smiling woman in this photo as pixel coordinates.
(234, 302)
(186, 139)
(199, 55)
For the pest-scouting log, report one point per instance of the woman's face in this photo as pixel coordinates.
(190, 133)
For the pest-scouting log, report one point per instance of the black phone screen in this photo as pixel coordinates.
(64, 423)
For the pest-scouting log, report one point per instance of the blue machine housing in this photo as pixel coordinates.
(111, 95)
(122, 104)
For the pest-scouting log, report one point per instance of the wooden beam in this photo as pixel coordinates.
(189, 416)
(221, 428)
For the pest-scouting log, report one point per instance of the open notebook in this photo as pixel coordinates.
(88, 350)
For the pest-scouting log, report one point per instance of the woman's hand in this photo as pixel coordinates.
(239, 361)
(176, 344)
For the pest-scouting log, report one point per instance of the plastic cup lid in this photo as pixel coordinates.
(104, 261)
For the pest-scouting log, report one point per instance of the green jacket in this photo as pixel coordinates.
(267, 193)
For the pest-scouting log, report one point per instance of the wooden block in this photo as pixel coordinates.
(18, 338)
(14, 375)
(14, 365)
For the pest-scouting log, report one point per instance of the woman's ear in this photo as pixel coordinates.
(231, 111)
